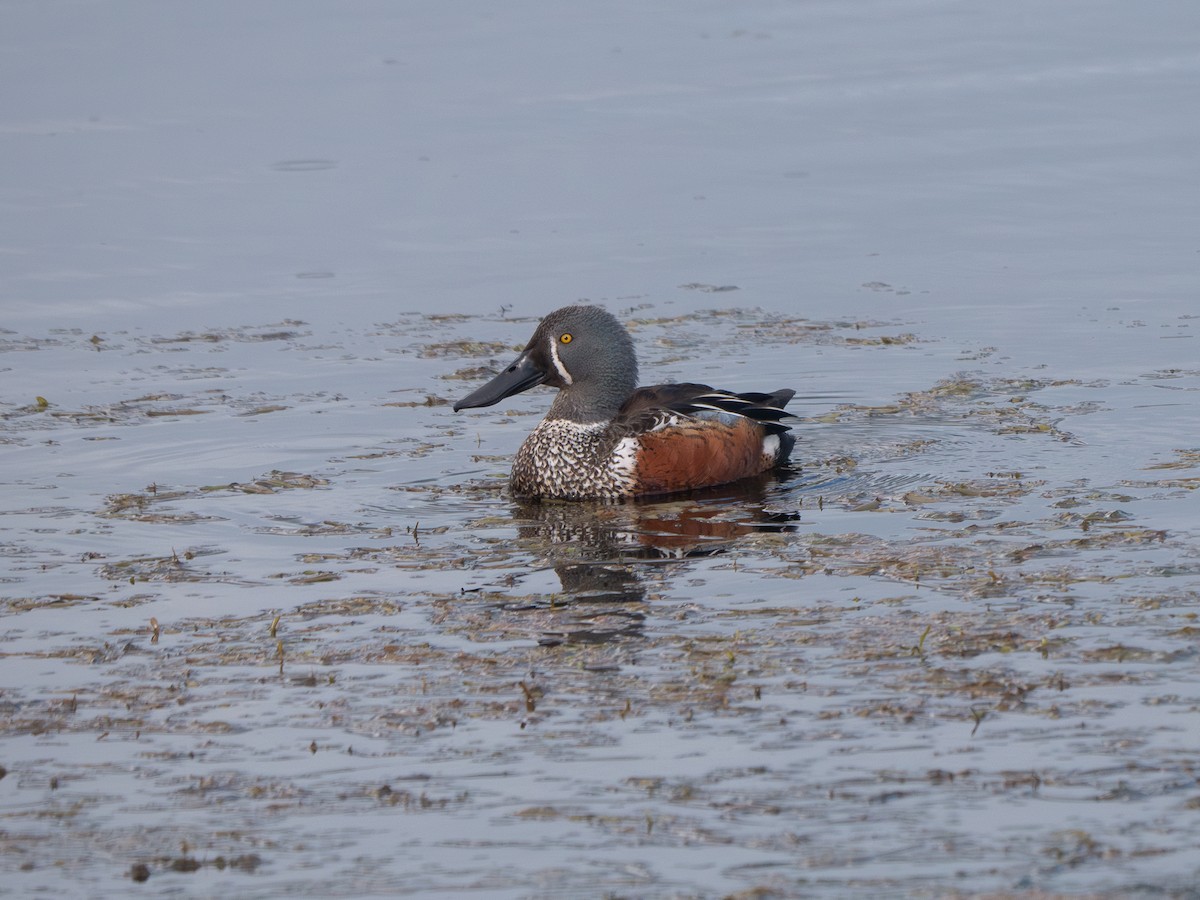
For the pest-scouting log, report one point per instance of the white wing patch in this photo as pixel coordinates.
(665, 420)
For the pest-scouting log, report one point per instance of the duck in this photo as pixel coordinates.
(605, 438)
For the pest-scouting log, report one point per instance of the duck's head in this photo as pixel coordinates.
(581, 350)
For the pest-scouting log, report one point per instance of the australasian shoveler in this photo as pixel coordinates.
(607, 439)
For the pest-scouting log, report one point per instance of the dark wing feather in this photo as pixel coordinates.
(649, 406)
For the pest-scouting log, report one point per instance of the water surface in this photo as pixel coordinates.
(273, 624)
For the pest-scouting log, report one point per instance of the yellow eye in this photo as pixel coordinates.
(566, 338)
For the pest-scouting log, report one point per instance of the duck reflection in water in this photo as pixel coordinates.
(604, 554)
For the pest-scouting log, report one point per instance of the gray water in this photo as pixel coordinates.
(272, 623)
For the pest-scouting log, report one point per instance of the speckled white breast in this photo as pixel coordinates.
(572, 461)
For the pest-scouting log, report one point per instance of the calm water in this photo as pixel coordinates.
(272, 624)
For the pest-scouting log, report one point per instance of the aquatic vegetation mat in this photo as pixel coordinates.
(306, 642)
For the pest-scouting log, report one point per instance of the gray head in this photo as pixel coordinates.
(581, 350)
